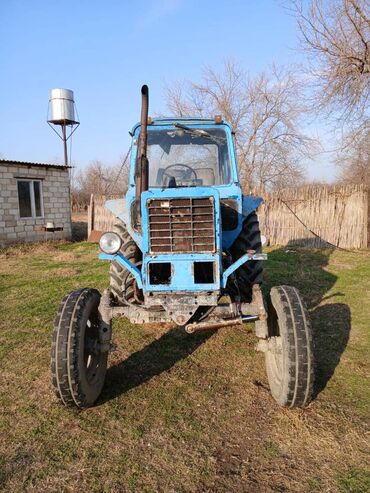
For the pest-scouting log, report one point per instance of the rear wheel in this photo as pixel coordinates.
(250, 272)
(78, 367)
(289, 352)
(122, 283)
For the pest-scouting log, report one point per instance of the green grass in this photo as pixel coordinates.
(183, 413)
(354, 481)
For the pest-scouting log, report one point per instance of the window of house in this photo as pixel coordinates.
(30, 198)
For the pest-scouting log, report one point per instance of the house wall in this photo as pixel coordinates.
(56, 200)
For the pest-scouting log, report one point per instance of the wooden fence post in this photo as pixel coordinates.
(90, 216)
(367, 226)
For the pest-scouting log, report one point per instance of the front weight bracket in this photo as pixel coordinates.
(105, 326)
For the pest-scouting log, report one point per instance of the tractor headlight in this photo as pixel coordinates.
(110, 243)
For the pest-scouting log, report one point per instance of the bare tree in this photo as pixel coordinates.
(264, 112)
(354, 160)
(99, 179)
(336, 36)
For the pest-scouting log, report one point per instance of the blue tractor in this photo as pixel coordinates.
(186, 248)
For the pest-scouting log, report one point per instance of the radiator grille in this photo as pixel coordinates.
(181, 225)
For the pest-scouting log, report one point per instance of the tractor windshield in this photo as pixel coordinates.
(188, 157)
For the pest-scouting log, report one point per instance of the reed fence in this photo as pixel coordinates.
(315, 216)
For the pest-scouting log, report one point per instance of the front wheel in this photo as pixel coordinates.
(78, 367)
(289, 351)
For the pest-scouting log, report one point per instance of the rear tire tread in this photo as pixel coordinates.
(250, 272)
(121, 280)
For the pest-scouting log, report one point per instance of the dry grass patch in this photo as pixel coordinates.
(183, 413)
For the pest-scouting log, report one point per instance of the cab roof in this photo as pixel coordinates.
(190, 120)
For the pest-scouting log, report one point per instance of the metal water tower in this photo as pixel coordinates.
(61, 113)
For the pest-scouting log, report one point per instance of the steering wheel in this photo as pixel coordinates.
(184, 171)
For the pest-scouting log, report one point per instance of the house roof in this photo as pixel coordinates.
(26, 163)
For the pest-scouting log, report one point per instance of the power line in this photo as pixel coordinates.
(111, 188)
(313, 232)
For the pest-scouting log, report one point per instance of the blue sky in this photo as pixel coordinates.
(105, 50)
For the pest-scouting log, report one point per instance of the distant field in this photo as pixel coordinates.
(184, 413)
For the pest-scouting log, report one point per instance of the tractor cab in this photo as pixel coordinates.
(195, 153)
(191, 212)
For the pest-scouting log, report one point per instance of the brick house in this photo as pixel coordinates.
(34, 202)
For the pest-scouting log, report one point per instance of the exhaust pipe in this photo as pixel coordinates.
(142, 164)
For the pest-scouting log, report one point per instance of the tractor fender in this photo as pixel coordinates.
(118, 208)
(250, 203)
